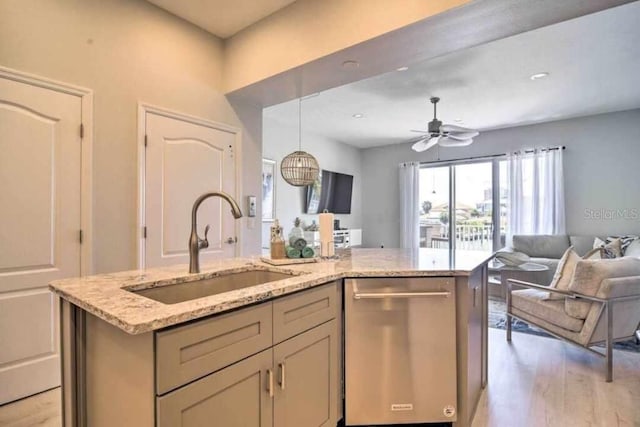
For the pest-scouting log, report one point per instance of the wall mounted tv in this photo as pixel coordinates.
(331, 191)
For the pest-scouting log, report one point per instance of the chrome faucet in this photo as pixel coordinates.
(195, 242)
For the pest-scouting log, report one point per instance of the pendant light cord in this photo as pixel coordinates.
(300, 124)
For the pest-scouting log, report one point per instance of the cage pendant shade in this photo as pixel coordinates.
(299, 169)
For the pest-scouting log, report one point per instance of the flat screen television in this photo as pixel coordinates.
(331, 191)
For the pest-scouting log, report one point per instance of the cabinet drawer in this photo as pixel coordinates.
(302, 311)
(189, 352)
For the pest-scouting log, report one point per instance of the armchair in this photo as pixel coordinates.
(602, 305)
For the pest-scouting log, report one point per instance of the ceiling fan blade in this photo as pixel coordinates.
(418, 131)
(425, 144)
(454, 128)
(449, 142)
(420, 145)
(461, 136)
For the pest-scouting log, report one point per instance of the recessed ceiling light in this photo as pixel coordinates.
(539, 76)
(358, 116)
(350, 64)
(402, 68)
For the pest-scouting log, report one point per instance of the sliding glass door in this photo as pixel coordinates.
(457, 205)
(434, 207)
(473, 206)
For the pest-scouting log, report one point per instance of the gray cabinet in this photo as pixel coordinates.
(471, 306)
(302, 311)
(291, 384)
(237, 396)
(306, 369)
(189, 352)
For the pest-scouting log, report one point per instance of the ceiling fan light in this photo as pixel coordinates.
(446, 134)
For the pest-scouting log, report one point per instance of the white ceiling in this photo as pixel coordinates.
(222, 18)
(593, 61)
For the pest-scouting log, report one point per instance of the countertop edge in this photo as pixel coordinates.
(138, 315)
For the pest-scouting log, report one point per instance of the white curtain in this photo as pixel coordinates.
(536, 193)
(409, 209)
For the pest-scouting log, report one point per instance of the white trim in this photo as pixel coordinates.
(142, 126)
(275, 175)
(143, 109)
(86, 190)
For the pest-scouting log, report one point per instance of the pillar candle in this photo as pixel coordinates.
(326, 234)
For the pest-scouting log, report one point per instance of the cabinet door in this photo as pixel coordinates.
(306, 369)
(237, 396)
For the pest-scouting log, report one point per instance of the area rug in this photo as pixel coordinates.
(497, 320)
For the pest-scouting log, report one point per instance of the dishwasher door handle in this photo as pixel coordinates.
(365, 295)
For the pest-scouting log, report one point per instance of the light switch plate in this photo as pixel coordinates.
(251, 200)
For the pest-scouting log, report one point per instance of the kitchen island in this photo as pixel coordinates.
(146, 347)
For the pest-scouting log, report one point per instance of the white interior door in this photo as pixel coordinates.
(40, 186)
(184, 159)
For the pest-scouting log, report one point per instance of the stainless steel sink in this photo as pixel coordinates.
(172, 294)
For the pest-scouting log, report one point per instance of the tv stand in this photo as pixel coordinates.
(347, 238)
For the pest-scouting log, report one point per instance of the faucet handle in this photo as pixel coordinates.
(204, 243)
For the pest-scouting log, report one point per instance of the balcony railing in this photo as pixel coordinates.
(467, 237)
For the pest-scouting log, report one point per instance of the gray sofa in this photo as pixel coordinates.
(548, 249)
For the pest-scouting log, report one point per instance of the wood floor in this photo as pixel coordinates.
(533, 381)
(40, 410)
(537, 381)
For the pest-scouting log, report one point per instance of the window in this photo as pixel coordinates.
(457, 205)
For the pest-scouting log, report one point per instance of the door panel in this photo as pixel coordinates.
(183, 161)
(40, 170)
(30, 162)
(236, 396)
(306, 371)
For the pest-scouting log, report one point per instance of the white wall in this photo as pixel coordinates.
(127, 51)
(279, 140)
(601, 172)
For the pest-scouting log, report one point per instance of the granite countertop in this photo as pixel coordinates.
(109, 296)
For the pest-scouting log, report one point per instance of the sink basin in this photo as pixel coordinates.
(173, 294)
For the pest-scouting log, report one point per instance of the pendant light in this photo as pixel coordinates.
(299, 168)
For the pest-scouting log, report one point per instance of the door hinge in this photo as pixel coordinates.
(81, 130)
(145, 140)
(144, 232)
(80, 236)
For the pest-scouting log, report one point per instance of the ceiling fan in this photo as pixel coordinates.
(443, 134)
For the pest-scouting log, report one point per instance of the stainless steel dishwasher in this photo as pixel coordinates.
(400, 354)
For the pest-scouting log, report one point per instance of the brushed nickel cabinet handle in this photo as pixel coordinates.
(270, 382)
(281, 380)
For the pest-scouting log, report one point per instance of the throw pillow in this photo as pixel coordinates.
(625, 242)
(564, 273)
(588, 277)
(595, 253)
(633, 250)
(611, 248)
